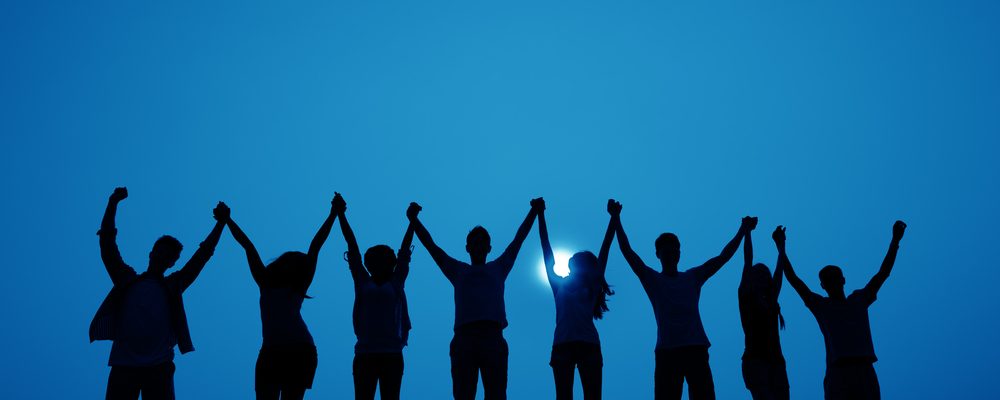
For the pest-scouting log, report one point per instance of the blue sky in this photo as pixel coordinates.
(833, 118)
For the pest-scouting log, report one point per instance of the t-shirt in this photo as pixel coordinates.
(759, 318)
(145, 336)
(281, 318)
(574, 314)
(675, 306)
(381, 318)
(479, 289)
(847, 333)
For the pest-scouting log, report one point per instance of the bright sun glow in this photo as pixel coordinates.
(562, 264)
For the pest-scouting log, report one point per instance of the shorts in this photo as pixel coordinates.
(286, 367)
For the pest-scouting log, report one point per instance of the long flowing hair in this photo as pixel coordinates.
(585, 264)
(763, 274)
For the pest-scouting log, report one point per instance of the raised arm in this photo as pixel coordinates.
(615, 210)
(638, 267)
(187, 274)
(510, 253)
(714, 264)
(779, 267)
(786, 265)
(548, 256)
(403, 255)
(323, 232)
(353, 251)
(253, 258)
(112, 258)
(747, 261)
(445, 262)
(875, 284)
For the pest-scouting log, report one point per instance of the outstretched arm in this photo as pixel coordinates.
(322, 234)
(353, 251)
(615, 210)
(445, 262)
(547, 255)
(186, 276)
(786, 265)
(714, 264)
(253, 258)
(403, 255)
(875, 284)
(779, 268)
(747, 261)
(510, 253)
(638, 267)
(112, 258)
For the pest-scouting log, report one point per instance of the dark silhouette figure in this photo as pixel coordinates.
(681, 343)
(843, 320)
(144, 313)
(286, 364)
(480, 314)
(581, 297)
(764, 370)
(381, 318)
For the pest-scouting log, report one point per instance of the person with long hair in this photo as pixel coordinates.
(764, 371)
(381, 318)
(581, 297)
(287, 361)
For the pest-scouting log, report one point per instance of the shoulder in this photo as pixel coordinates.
(864, 296)
(814, 301)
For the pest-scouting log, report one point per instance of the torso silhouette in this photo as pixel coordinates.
(378, 316)
(675, 307)
(845, 326)
(759, 318)
(574, 313)
(281, 318)
(145, 336)
(479, 291)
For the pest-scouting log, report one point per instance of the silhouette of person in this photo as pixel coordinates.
(143, 314)
(480, 316)
(581, 297)
(381, 318)
(681, 343)
(286, 364)
(764, 370)
(843, 320)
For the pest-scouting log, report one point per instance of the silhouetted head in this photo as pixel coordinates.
(164, 254)
(831, 278)
(584, 271)
(760, 275)
(583, 267)
(290, 270)
(380, 261)
(760, 279)
(668, 249)
(477, 243)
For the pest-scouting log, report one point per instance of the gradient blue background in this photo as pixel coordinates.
(832, 117)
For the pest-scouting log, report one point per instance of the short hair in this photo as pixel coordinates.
(170, 244)
(380, 257)
(830, 272)
(477, 231)
(667, 241)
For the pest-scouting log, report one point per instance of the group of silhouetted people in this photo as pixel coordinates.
(144, 313)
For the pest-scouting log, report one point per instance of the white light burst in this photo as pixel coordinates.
(562, 264)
